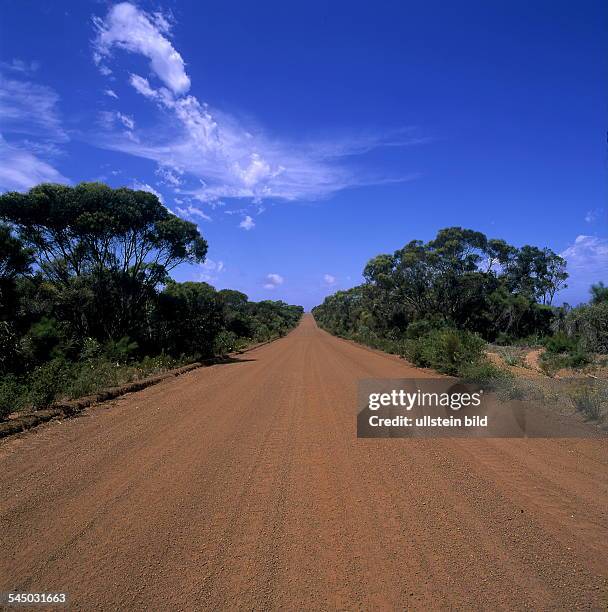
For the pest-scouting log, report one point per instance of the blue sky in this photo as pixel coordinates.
(305, 138)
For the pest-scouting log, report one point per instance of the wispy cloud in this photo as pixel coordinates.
(273, 280)
(111, 93)
(20, 66)
(211, 270)
(32, 131)
(229, 159)
(594, 215)
(30, 109)
(330, 280)
(20, 169)
(247, 223)
(192, 213)
(109, 118)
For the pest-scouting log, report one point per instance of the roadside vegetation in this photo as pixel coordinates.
(87, 301)
(443, 303)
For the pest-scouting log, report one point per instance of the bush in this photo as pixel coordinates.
(560, 343)
(225, 342)
(11, 395)
(590, 401)
(590, 324)
(575, 358)
(416, 329)
(45, 340)
(47, 382)
(484, 374)
(120, 351)
(446, 350)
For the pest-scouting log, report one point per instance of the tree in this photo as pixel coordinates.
(599, 293)
(15, 261)
(460, 279)
(78, 230)
(116, 244)
(188, 318)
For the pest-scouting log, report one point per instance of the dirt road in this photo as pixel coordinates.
(243, 485)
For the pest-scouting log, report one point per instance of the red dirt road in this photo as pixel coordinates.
(243, 485)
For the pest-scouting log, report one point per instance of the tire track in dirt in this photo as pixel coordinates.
(243, 486)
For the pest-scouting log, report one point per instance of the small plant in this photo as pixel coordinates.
(121, 350)
(225, 342)
(511, 358)
(484, 374)
(590, 401)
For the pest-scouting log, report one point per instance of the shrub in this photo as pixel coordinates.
(419, 328)
(590, 323)
(121, 350)
(484, 374)
(225, 342)
(11, 395)
(560, 343)
(575, 358)
(446, 350)
(590, 401)
(90, 349)
(47, 381)
(45, 341)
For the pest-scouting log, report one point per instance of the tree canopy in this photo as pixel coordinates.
(461, 278)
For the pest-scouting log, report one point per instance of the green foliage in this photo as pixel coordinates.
(588, 323)
(9, 347)
(445, 350)
(599, 293)
(225, 342)
(485, 374)
(560, 343)
(86, 300)
(460, 279)
(15, 261)
(11, 395)
(46, 339)
(47, 381)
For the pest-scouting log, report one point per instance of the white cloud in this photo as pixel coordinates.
(329, 279)
(191, 212)
(138, 186)
(126, 120)
(169, 176)
(211, 270)
(20, 169)
(587, 261)
(21, 66)
(232, 160)
(273, 280)
(587, 251)
(30, 109)
(593, 215)
(110, 118)
(142, 86)
(134, 30)
(110, 93)
(213, 266)
(247, 223)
